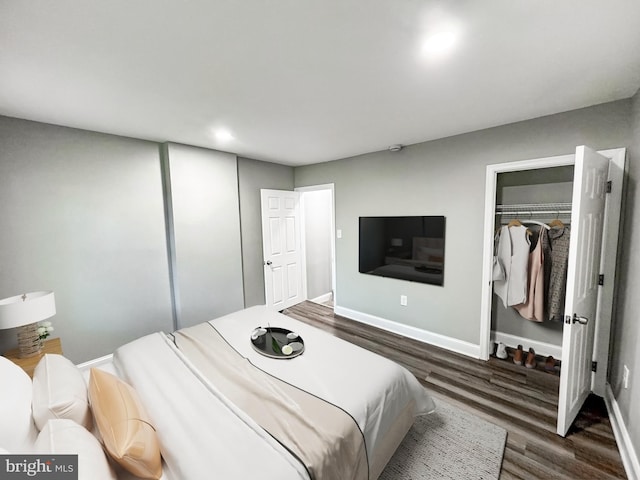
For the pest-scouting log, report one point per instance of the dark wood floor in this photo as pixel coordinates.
(522, 401)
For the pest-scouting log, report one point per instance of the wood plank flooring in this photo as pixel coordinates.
(522, 401)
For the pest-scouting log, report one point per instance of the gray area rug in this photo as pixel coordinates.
(448, 444)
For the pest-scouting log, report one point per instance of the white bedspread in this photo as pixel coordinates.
(373, 389)
(201, 434)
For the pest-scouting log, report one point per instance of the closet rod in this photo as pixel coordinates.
(535, 206)
(536, 212)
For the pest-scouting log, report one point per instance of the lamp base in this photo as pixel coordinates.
(29, 343)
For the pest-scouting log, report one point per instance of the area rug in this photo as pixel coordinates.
(448, 444)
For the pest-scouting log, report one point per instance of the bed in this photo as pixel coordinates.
(218, 408)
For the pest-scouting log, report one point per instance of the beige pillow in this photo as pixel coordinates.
(124, 425)
(67, 437)
(59, 391)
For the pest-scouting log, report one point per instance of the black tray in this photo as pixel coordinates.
(271, 342)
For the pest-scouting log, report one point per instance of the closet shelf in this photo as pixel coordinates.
(534, 209)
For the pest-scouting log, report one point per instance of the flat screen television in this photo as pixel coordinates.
(407, 248)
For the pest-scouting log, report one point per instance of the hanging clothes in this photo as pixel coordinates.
(533, 309)
(556, 258)
(513, 255)
(497, 268)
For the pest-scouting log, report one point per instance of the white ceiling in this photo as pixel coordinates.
(306, 81)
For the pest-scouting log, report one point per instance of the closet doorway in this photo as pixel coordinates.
(594, 231)
(318, 242)
(298, 243)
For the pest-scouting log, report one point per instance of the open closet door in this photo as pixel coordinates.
(281, 245)
(587, 219)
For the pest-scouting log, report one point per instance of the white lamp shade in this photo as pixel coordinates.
(26, 309)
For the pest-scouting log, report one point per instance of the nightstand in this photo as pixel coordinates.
(28, 364)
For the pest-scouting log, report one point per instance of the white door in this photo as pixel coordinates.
(587, 219)
(281, 246)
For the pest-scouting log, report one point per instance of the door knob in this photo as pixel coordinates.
(579, 319)
(268, 262)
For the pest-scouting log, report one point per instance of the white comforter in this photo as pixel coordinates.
(203, 435)
(371, 388)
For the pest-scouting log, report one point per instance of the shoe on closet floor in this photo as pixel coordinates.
(518, 355)
(501, 351)
(531, 359)
(550, 364)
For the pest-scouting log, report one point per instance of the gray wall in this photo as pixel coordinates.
(445, 177)
(253, 176)
(626, 338)
(204, 208)
(82, 215)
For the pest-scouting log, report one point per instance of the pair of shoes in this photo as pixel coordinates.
(531, 359)
(501, 351)
(518, 355)
(550, 364)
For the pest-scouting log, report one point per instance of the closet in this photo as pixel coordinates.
(531, 197)
(582, 191)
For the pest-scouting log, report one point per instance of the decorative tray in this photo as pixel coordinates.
(276, 342)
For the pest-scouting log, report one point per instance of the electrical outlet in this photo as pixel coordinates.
(403, 300)
(625, 377)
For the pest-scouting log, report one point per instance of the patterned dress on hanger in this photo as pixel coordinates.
(556, 258)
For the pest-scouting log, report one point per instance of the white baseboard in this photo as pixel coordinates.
(623, 439)
(442, 341)
(541, 348)
(322, 298)
(96, 362)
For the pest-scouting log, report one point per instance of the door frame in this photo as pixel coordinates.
(312, 188)
(609, 265)
(606, 296)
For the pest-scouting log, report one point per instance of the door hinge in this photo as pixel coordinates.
(600, 280)
(594, 366)
(609, 186)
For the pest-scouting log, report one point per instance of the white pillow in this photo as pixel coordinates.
(17, 431)
(67, 437)
(59, 391)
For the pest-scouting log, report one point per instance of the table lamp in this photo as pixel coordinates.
(25, 311)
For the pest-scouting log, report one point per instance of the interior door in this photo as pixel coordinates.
(585, 248)
(281, 246)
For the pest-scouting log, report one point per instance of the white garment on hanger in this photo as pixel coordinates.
(513, 254)
(503, 258)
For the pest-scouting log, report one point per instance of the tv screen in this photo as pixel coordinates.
(408, 248)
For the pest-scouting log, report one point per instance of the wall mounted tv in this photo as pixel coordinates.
(408, 248)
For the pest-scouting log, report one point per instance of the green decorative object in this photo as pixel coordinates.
(275, 345)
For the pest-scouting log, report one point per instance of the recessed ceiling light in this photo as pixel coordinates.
(439, 43)
(223, 135)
